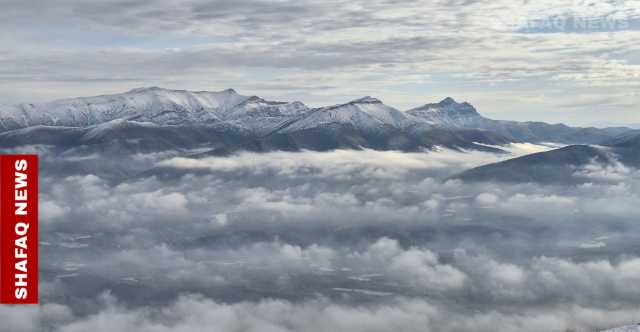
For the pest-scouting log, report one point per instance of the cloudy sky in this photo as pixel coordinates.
(575, 61)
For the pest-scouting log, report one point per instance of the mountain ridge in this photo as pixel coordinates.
(561, 165)
(262, 125)
(450, 113)
(155, 104)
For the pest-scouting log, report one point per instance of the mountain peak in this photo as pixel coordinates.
(448, 112)
(448, 101)
(155, 89)
(146, 89)
(366, 100)
(253, 99)
(447, 105)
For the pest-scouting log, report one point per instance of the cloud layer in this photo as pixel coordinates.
(548, 60)
(351, 240)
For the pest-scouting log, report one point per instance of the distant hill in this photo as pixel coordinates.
(560, 165)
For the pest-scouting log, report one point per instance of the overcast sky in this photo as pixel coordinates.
(574, 61)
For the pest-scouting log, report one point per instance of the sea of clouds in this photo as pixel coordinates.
(333, 241)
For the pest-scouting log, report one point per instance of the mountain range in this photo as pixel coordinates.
(159, 118)
(202, 123)
(449, 113)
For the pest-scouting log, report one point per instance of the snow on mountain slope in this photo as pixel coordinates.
(160, 106)
(449, 113)
(263, 117)
(367, 114)
(103, 129)
(257, 117)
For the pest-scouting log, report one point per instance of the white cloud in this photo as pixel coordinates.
(353, 240)
(406, 53)
(191, 313)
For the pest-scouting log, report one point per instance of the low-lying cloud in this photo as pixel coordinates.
(351, 240)
(192, 313)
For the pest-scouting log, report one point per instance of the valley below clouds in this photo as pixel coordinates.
(317, 241)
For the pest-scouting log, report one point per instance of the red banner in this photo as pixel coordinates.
(19, 229)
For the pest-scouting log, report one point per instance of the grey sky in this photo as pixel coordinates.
(574, 61)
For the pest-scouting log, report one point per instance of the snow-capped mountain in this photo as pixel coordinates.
(367, 114)
(448, 113)
(151, 119)
(451, 114)
(156, 105)
(264, 117)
